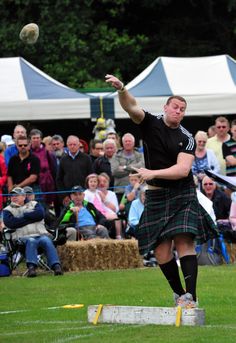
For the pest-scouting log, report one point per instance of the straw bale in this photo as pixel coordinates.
(99, 254)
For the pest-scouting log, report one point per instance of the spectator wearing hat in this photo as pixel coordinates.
(23, 168)
(90, 222)
(11, 149)
(27, 219)
(49, 216)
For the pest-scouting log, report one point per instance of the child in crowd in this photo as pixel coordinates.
(131, 192)
(110, 202)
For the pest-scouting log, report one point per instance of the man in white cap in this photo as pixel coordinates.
(27, 219)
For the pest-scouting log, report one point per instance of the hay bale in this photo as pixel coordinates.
(99, 254)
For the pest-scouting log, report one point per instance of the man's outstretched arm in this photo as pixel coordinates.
(127, 101)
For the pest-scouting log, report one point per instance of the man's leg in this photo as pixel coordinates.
(169, 267)
(188, 261)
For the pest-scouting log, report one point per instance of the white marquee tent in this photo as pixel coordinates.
(29, 94)
(207, 83)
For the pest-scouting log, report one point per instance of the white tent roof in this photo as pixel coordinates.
(207, 83)
(29, 94)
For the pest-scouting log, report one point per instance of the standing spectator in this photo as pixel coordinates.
(83, 146)
(96, 149)
(23, 168)
(47, 174)
(12, 150)
(204, 158)
(229, 151)
(58, 148)
(211, 131)
(47, 141)
(112, 134)
(122, 163)
(74, 167)
(102, 163)
(215, 142)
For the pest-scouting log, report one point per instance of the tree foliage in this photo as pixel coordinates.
(81, 41)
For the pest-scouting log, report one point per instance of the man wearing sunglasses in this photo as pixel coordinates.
(23, 168)
(215, 143)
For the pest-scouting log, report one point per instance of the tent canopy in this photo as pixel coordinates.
(27, 93)
(207, 83)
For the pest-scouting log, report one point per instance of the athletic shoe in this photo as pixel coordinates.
(185, 301)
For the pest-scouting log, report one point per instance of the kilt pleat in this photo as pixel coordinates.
(168, 212)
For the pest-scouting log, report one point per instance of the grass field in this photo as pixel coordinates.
(35, 322)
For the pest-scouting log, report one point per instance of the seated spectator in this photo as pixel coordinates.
(221, 202)
(131, 192)
(110, 201)
(28, 220)
(136, 210)
(204, 158)
(49, 217)
(89, 221)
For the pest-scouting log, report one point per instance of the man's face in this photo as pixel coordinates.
(128, 143)
(222, 128)
(36, 141)
(18, 199)
(23, 147)
(57, 145)
(174, 112)
(109, 150)
(77, 198)
(19, 131)
(73, 145)
(97, 150)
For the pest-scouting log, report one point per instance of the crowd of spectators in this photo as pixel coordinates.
(96, 180)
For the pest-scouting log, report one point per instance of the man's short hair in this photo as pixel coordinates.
(22, 138)
(36, 132)
(178, 97)
(58, 138)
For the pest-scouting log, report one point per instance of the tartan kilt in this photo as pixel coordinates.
(168, 212)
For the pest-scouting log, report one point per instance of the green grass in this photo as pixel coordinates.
(146, 287)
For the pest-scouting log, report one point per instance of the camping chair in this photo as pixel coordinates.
(16, 248)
